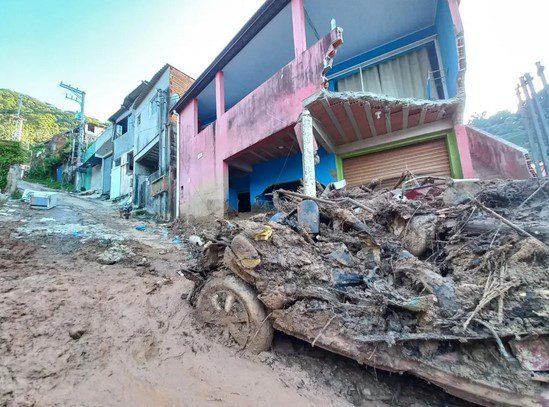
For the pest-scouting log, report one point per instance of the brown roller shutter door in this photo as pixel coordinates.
(429, 158)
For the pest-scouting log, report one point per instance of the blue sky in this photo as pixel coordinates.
(106, 47)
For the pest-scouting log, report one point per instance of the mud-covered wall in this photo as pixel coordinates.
(492, 157)
(271, 107)
(201, 190)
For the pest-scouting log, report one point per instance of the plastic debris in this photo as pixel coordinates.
(196, 240)
(265, 234)
(308, 216)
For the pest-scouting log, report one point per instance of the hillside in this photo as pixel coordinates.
(41, 120)
(508, 125)
(504, 124)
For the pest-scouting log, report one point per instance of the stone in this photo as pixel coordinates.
(76, 333)
(460, 192)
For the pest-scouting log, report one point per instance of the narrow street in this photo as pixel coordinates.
(93, 312)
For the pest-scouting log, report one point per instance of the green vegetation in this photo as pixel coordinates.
(504, 124)
(41, 120)
(507, 125)
(50, 183)
(16, 194)
(43, 166)
(11, 152)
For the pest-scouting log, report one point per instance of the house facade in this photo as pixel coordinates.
(144, 143)
(64, 172)
(155, 142)
(314, 90)
(97, 163)
(123, 145)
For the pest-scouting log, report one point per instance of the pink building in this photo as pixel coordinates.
(294, 97)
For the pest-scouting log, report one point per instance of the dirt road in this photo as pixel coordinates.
(93, 312)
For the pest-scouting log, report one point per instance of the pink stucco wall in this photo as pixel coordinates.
(271, 107)
(486, 156)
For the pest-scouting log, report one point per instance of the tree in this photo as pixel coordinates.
(507, 125)
(41, 120)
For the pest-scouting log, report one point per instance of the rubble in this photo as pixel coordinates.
(427, 279)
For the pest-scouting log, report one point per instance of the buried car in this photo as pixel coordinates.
(450, 286)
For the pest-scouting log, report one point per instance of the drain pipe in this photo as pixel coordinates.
(177, 169)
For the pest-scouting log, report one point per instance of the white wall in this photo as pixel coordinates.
(96, 178)
(126, 180)
(147, 130)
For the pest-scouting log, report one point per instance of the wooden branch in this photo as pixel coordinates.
(325, 201)
(322, 330)
(506, 221)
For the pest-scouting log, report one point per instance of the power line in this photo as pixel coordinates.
(78, 96)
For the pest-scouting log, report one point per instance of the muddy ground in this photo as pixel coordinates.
(93, 312)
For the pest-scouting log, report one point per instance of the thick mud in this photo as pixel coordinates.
(101, 321)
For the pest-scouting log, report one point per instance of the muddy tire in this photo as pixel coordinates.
(232, 305)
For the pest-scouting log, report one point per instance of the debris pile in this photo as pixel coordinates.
(430, 271)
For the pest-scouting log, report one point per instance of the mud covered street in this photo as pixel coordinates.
(93, 312)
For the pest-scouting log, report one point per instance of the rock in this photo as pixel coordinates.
(114, 254)
(196, 240)
(460, 192)
(343, 256)
(245, 252)
(77, 333)
(143, 262)
(419, 234)
(7, 384)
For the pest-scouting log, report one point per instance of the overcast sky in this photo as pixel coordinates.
(106, 47)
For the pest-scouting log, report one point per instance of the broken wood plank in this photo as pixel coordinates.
(352, 119)
(369, 118)
(323, 136)
(405, 114)
(334, 120)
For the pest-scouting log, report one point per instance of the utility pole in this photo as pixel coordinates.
(530, 131)
(78, 96)
(18, 131)
(535, 122)
(163, 146)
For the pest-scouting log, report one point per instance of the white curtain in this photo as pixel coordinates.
(350, 83)
(403, 77)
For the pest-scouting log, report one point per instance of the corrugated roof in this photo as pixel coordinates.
(128, 101)
(150, 85)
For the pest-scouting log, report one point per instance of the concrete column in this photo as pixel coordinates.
(309, 181)
(219, 93)
(188, 129)
(298, 23)
(464, 152)
(225, 187)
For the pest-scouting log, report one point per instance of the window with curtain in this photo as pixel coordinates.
(403, 77)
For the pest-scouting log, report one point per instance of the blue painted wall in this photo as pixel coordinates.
(279, 171)
(59, 173)
(287, 170)
(237, 186)
(366, 56)
(448, 46)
